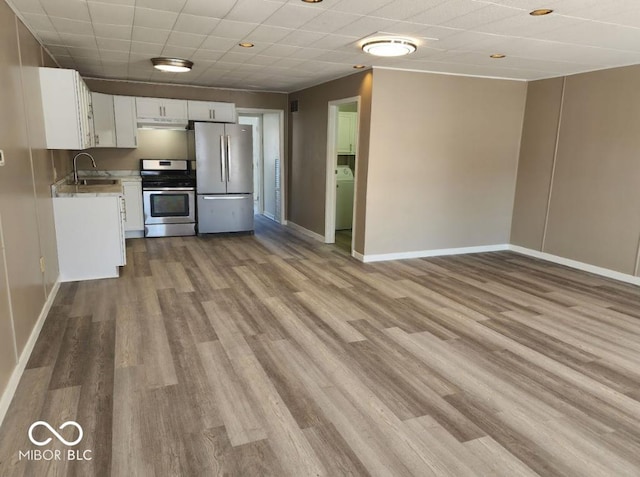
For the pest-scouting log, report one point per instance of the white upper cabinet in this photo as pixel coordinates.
(104, 121)
(347, 128)
(161, 111)
(66, 105)
(124, 108)
(212, 111)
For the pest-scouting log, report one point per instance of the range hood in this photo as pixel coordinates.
(162, 123)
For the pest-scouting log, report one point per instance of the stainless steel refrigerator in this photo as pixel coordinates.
(224, 175)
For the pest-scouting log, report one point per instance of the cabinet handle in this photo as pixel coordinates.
(223, 160)
(228, 158)
(213, 114)
(209, 114)
(97, 140)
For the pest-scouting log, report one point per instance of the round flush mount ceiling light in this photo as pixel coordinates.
(389, 47)
(497, 56)
(540, 12)
(172, 65)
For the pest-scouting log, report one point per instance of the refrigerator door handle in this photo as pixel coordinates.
(223, 160)
(229, 159)
(223, 197)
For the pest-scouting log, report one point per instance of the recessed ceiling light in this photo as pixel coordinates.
(172, 65)
(389, 47)
(359, 67)
(497, 56)
(246, 44)
(311, 1)
(540, 12)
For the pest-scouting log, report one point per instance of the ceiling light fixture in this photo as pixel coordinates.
(540, 12)
(359, 67)
(389, 47)
(311, 1)
(172, 65)
(246, 44)
(497, 56)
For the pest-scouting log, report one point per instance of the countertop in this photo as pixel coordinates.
(63, 189)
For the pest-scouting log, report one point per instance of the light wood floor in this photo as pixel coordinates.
(275, 355)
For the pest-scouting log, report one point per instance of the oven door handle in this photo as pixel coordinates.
(223, 197)
(170, 189)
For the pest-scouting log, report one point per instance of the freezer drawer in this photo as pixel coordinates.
(225, 213)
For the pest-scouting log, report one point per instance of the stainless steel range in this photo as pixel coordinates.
(168, 195)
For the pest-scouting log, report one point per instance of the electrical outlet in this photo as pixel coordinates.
(42, 265)
(1, 157)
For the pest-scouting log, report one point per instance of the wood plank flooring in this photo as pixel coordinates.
(274, 355)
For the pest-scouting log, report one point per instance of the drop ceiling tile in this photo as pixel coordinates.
(328, 21)
(526, 25)
(114, 56)
(195, 24)
(329, 42)
(362, 7)
(65, 61)
(75, 26)
(168, 5)
(208, 8)
(39, 22)
(76, 10)
(78, 41)
(57, 51)
(78, 53)
(301, 38)
(29, 6)
(217, 43)
(50, 38)
(293, 16)
(281, 51)
(235, 57)
(121, 32)
(187, 40)
(150, 35)
(178, 52)
(150, 49)
(597, 34)
(268, 34)
(308, 53)
(208, 55)
(113, 44)
(482, 16)
(404, 10)
(111, 14)
(87, 62)
(252, 11)
(235, 30)
(365, 26)
(148, 18)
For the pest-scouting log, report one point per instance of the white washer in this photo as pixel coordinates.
(344, 198)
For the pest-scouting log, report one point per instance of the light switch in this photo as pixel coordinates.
(1, 157)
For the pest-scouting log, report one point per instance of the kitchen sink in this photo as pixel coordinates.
(96, 182)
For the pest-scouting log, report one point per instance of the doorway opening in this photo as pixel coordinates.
(268, 142)
(342, 155)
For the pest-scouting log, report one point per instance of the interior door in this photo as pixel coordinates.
(210, 158)
(239, 142)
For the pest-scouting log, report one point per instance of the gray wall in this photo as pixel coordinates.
(593, 206)
(308, 152)
(442, 161)
(26, 212)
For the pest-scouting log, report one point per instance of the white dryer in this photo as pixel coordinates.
(344, 198)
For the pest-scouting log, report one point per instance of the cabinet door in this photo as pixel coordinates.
(199, 110)
(125, 121)
(86, 108)
(133, 205)
(149, 108)
(175, 109)
(344, 133)
(223, 112)
(104, 124)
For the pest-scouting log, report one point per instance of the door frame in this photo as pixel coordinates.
(332, 164)
(260, 161)
(283, 163)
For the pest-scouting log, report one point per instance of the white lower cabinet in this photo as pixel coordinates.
(134, 222)
(90, 236)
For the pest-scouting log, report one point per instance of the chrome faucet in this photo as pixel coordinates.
(75, 165)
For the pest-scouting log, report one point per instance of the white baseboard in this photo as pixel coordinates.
(269, 215)
(357, 255)
(585, 267)
(429, 253)
(303, 231)
(134, 234)
(12, 385)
